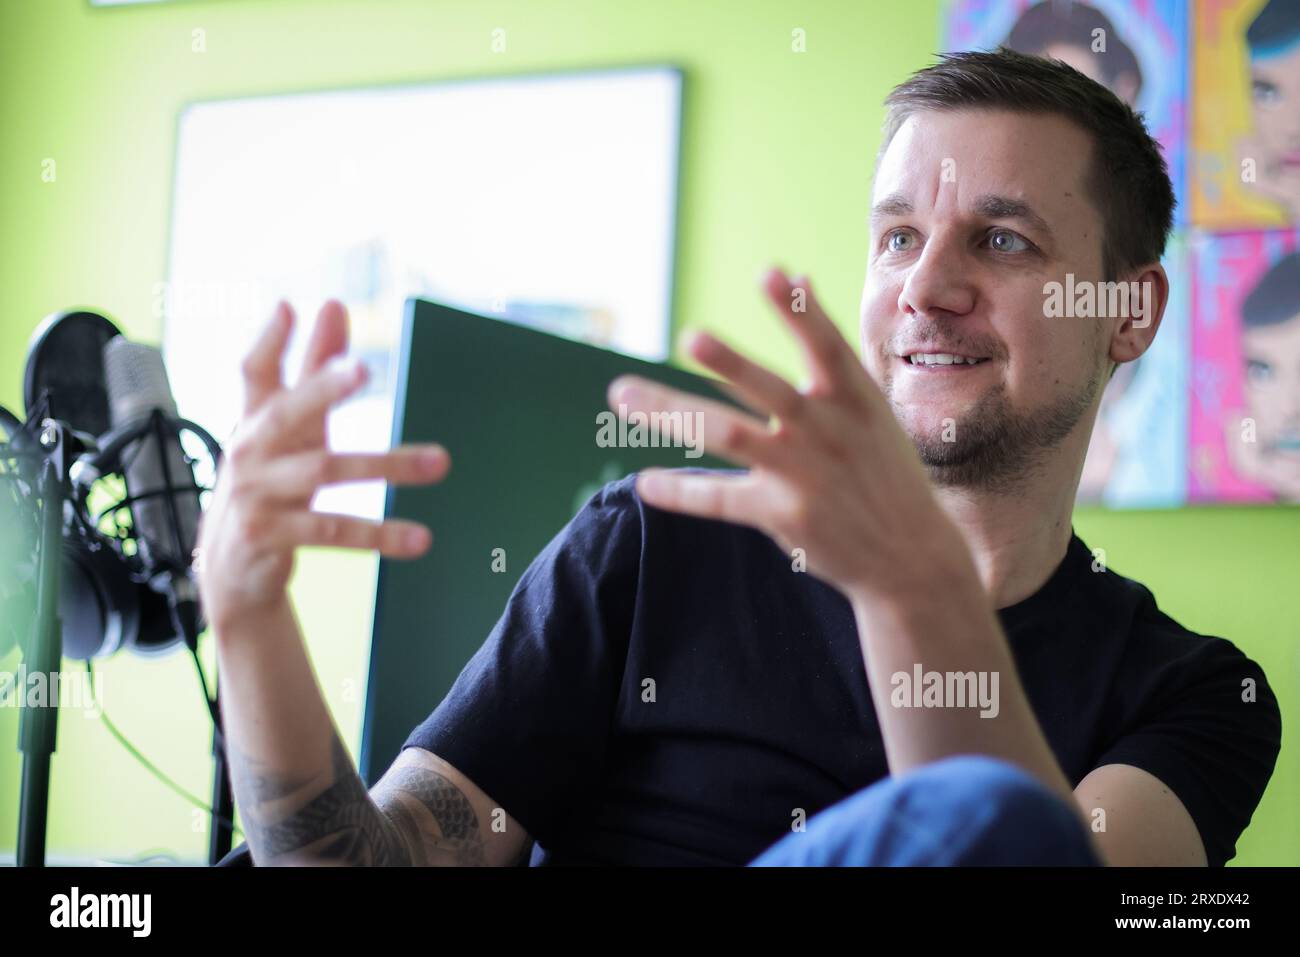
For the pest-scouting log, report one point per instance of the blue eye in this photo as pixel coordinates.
(1264, 92)
(1005, 241)
(1258, 371)
(891, 241)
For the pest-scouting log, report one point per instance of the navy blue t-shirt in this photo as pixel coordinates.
(662, 689)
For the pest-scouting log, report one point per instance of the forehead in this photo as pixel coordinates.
(1276, 335)
(1281, 66)
(956, 156)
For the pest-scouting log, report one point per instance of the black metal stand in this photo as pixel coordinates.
(38, 726)
(221, 833)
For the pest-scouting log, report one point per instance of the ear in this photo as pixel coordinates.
(1135, 330)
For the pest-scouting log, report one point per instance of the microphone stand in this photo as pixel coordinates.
(59, 448)
(220, 834)
(185, 618)
(185, 614)
(37, 729)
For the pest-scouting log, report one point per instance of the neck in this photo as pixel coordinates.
(1017, 540)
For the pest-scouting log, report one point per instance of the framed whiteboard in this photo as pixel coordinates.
(549, 200)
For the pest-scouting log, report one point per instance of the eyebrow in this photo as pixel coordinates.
(990, 206)
(895, 204)
(1002, 207)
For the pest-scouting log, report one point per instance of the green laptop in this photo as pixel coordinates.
(520, 411)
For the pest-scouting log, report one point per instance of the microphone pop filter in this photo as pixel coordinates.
(65, 359)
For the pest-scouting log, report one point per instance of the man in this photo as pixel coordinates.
(1264, 445)
(879, 644)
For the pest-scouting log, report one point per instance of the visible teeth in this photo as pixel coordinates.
(939, 359)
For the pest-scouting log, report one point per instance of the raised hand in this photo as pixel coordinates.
(276, 461)
(831, 472)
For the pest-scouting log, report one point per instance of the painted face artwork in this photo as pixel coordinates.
(1275, 106)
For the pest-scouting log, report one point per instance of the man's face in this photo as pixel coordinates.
(1272, 355)
(1275, 85)
(973, 212)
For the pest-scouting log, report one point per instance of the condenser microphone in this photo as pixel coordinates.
(80, 582)
(159, 477)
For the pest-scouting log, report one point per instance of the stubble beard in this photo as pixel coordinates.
(994, 448)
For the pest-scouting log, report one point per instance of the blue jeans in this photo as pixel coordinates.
(964, 810)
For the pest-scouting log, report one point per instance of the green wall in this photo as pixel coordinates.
(777, 154)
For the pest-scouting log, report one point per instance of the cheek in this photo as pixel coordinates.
(876, 319)
(1049, 356)
(1271, 129)
(1260, 402)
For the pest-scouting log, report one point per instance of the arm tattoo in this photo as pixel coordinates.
(457, 822)
(338, 825)
(344, 825)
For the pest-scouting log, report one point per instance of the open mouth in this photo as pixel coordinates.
(941, 361)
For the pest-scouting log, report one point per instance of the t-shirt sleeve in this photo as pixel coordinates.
(1208, 726)
(528, 719)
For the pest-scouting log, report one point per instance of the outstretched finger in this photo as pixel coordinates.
(715, 427)
(760, 389)
(282, 424)
(727, 498)
(329, 337)
(830, 359)
(394, 537)
(297, 477)
(262, 366)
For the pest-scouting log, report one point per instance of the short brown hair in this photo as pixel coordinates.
(1129, 180)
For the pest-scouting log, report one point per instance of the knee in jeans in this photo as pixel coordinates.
(1000, 791)
(993, 774)
(966, 809)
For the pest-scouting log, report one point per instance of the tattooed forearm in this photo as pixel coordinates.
(410, 794)
(414, 816)
(337, 825)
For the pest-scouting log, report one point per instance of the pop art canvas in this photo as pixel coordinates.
(1245, 145)
(1137, 48)
(1246, 368)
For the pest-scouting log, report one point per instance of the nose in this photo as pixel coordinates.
(938, 282)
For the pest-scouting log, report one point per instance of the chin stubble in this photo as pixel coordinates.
(994, 448)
